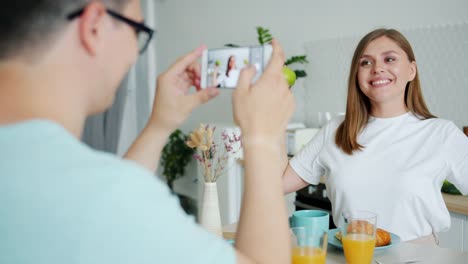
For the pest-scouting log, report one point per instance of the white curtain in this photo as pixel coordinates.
(115, 130)
(140, 88)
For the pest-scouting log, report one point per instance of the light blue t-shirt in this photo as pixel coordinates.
(63, 202)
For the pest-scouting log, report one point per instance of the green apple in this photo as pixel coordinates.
(217, 63)
(290, 75)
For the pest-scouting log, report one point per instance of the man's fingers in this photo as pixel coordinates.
(195, 69)
(201, 97)
(184, 62)
(194, 78)
(197, 85)
(245, 78)
(277, 57)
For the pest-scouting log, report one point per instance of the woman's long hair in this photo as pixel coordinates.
(228, 68)
(358, 106)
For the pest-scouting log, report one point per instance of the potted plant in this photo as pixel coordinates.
(213, 159)
(174, 158)
(264, 37)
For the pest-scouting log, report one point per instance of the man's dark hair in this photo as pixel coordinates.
(28, 24)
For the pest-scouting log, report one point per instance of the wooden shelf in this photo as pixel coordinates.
(456, 203)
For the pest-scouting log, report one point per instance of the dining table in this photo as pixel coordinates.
(401, 252)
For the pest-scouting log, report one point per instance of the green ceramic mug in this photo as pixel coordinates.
(312, 220)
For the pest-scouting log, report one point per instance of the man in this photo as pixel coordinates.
(62, 202)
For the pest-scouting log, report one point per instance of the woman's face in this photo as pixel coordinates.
(383, 72)
(232, 62)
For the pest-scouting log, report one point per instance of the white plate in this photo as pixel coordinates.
(332, 240)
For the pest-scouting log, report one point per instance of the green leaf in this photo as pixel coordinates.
(302, 59)
(175, 156)
(300, 73)
(264, 35)
(261, 29)
(448, 187)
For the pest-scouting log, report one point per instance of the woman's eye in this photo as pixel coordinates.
(366, 63)
(390, 59)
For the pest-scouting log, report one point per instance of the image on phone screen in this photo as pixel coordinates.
(221, 67)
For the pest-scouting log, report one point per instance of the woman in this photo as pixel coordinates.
(389, 155)
(231, 76)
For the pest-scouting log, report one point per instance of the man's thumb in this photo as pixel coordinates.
(202, 96)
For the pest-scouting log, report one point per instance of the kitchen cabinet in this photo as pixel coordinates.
(457, 236)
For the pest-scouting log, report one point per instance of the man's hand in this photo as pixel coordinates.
(264, 108)
(173, 104)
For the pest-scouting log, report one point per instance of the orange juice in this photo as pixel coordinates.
(308, 255)
(358, 248)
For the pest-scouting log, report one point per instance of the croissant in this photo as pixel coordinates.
(382, 238)
(360, 226)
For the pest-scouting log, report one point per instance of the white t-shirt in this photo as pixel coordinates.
(231, 80)
(398, 174)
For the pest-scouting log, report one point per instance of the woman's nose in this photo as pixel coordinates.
(378, 67)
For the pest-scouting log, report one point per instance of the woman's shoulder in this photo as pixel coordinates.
(335, 122)
(330, 128)
(438, 125)
(338, 119)
(435, 121)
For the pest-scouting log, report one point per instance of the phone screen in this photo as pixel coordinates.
(221, 67)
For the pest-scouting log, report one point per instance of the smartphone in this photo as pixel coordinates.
(221, 67)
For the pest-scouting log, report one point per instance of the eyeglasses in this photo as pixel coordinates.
(144, 33)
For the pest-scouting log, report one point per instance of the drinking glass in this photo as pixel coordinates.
(358, 236)
(308, 246)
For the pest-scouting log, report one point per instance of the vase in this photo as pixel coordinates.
(210, 217)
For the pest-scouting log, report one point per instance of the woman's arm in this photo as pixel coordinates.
(291, 181)
(214, 77)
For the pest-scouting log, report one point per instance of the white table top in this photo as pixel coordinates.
(407, 252)
(397, 254)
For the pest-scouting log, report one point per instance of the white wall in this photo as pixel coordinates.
(185, 24)
(442, 58)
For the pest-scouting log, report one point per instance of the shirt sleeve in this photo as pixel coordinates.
(306, 163)
(456, 151)
(138, 220)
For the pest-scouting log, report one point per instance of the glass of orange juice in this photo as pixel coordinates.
(358, 236)
(309, 245)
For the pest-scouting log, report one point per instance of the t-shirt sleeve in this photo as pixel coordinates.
(306, 163)
(138, 220)
(456, 151)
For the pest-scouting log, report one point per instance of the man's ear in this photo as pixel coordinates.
(91, 26)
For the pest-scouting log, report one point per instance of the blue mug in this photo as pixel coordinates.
(312, 220)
